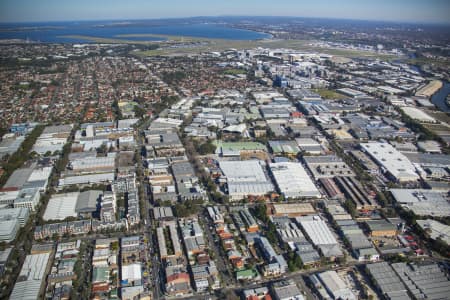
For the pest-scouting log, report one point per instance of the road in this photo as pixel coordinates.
(154, 277)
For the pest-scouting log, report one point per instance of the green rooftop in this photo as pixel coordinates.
(238, 146)
(246, 273)
(100, 274)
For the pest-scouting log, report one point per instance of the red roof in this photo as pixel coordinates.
(9, 189)
(178, 277)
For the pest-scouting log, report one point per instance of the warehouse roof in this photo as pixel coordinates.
(232, 147)
(435, 229)
(293, 181)
(18, 178)
(317, 230)
(293, 208)
(423, 202)
(387, 280)
(61, 206)
(397, 164)
(87, 201)
(380, 225)
(335, 285)
(131, 272)
(290, 147)
(243, 171)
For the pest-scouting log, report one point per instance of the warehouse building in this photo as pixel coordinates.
(293, 181)
(327, 166)
(426, 280)
(87, 202)
(31, 277)
(292, 210)
(320, 235)
(423, 202)
(61, 206)
(356, 193)
(229, 149)
(18, 178)
(381, 228)
(309, 145)
(392, 162)
(307, 253)
(435, 229)
(90, 163)
(286, 290)
(52, 139)
(284, 147)
(245, 178)
(331, 286)
(67, 179)
(387, 281)
(9, 229)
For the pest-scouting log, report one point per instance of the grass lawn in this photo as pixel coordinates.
(329, 94)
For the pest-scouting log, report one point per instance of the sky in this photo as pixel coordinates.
(418, 11)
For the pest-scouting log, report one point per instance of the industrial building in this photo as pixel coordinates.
(387, 282)
(52, 139)
(331, 286)
(435, 229)
(423, 202)
(245, 178)
(393, 163)
(31, 277)
(8, 230)
(320, 235)
(68, 179)
(356, 193)
(293, 181)
(381, 228)
(309, 145)
(424, 280)
(61, 206)
(327, 166)
(292, 210)
(286, 290)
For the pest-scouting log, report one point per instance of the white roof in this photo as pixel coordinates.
(437, 229)
(89, 178)
(246, 177)
(243, 171)
(394, 162)
(26, 290)
(423, 202)
(417, 114)
(317, 230)
(236, 128)
(93, 162)
(40, 174)
(61, 206)
(131, 272)
(33, 270)
(336, 286)
(293, 181)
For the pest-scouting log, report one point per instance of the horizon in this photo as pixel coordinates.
(397, 11)
(424, 23)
